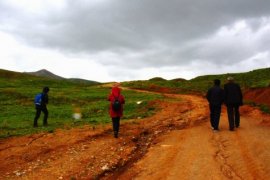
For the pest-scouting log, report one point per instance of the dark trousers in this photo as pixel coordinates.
(215, 111)
(233, 115)
(38, 112)
(116, 124)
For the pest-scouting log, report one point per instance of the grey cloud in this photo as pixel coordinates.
(120, 24)
(148, 33)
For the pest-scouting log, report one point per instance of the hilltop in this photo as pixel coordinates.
(41, 76)
(48, 74)
(45, 73)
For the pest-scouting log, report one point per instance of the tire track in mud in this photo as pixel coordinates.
(221, 157)
(234, 154)
(253, 166)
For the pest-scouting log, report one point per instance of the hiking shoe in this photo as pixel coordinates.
(115, 134)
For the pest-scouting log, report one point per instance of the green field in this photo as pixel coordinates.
(253, 79)
(17, 91)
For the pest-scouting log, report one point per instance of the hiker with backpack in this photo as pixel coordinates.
(41, 101)
(116, 107)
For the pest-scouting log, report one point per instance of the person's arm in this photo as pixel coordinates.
(109, 97)
(45, 98)
(123, 99)
(241, 95)
(208, 95)
(222, 96)
(225, 94)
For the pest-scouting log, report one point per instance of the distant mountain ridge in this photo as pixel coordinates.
(48, 74)
(45, 73)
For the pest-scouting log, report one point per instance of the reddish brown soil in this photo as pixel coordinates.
(259, 96)
(176, 143)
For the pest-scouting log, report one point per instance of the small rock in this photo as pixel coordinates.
(105, 167)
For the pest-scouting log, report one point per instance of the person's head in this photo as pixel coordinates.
(217, 82)
(46, 89)
(230, 79)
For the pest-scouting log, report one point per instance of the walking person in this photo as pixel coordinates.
(215, 96)
(116, 107)
(41, 101)
(233, 99)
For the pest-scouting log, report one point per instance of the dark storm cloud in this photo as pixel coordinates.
(150, 33)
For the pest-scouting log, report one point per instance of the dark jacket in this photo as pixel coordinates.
(44, 101)
(233, 94)
(215, 95)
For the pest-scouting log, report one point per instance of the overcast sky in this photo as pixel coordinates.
(120, 40)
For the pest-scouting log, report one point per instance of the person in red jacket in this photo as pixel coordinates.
(116, 107)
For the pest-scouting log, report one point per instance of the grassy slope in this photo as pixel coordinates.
(17, 91)
(253, 79)
(259, 78)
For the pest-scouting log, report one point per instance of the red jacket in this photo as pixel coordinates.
(116, 92)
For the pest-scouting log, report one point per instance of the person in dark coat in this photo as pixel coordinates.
(215, 96)
(42, 107)
(233, 99)
(116, 114)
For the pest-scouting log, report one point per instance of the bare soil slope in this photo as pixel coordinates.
(176, 143)
(259, 95)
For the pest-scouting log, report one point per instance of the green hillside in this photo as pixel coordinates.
(17, 91)
(253, 79)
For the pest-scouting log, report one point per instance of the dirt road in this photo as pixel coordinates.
(176, 143)
(199, 153)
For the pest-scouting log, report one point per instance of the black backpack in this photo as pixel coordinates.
(116, 104)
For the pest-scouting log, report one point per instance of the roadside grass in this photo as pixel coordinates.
(17, 111)
(263, 107)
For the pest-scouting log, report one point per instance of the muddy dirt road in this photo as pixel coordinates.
(176, 143)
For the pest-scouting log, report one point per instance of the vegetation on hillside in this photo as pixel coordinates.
(17, 91)
(253, 79)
